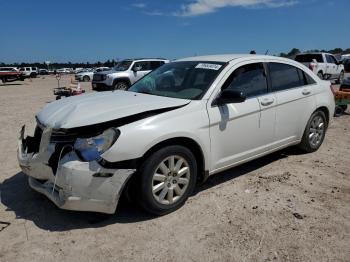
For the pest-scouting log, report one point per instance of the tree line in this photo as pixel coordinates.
(336, 51)
(110, 63)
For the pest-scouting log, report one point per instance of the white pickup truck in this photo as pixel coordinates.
(325, 65)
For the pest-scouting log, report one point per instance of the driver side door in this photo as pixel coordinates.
(144, 69)
(240, 131)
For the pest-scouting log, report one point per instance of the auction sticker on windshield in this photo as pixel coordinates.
(208, 66)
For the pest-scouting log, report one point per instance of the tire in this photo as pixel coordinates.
(341, 77)
(339, 110)
(86, 78)
(344, 107)
(320, 75)
(58, 97)
(121, 85)
(314, 133)
(161, 191)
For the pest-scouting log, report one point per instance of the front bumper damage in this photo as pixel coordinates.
(76, 185)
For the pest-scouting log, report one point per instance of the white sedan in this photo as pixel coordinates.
(181, 123)
(87, 76)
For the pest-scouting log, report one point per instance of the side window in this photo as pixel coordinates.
(155, 64)
(250, 79)
(329, 59)
(334, 61)
(144, 65)
(284, 77)
(305, 78)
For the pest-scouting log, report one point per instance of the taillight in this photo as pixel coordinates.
(312, 67)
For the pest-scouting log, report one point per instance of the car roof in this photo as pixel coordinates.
(315, 53)
(228, 58)
(144, 59)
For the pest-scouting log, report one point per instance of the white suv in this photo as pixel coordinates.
(179, 124)
(29, 72)
(125, 73)
(324, 65)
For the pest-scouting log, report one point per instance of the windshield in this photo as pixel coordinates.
(185, 80)
(307, 58)
(123, 65)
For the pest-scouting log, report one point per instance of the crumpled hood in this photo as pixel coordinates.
(95, 108)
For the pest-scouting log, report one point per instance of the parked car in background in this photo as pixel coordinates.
(43, 72)
(9, 69)
(125, 73)
(325, 65)
(63, 71)
(78, 69)
(87, 76)
(346, 63)
(10, 74)
(29, 72)
(179, 124)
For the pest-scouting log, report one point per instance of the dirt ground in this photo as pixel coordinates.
(287, 206)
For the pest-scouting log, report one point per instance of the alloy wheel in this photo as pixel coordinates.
(170, 180)
(316, 132)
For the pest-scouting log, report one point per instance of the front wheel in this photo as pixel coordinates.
(86, 78)
(314, 133)
(121, 86)
(167, 179)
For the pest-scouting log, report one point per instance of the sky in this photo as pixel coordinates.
(91, 31)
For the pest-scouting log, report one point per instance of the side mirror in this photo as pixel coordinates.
(136, 68)
(229, 96)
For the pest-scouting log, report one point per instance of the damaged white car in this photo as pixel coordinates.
(176, 126)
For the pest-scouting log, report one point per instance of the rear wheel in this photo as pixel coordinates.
(167, 179)
(341, 77)
(314, 132)
(339, 110)
(86, 78)
(320, 75)
(121, 86)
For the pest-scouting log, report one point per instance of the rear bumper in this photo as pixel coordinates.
(76, 185)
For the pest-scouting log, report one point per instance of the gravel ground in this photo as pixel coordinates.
(284, 207)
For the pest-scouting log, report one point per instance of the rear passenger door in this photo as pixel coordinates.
(293, 89)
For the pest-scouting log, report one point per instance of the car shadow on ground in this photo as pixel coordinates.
(18, 197)
(8, 84)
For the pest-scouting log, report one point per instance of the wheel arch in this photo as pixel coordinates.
(190, 144)
(325, 110)
(121, 79)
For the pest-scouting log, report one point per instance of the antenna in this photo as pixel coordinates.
(267, 51)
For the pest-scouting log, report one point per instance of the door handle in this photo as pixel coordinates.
(306, 92)
(267, 102)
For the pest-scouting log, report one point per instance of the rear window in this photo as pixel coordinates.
(307, 58)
